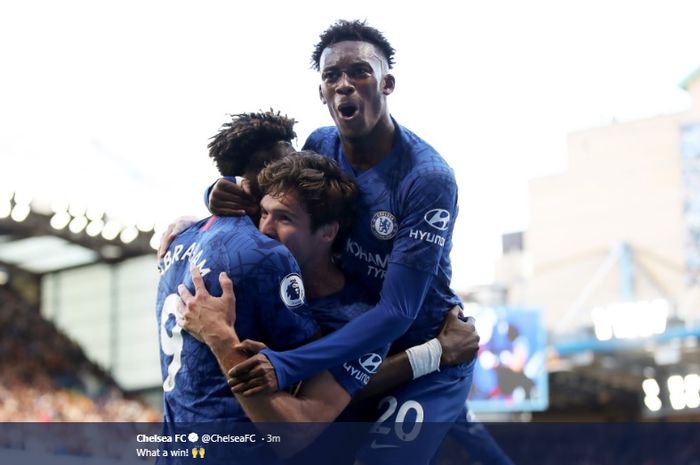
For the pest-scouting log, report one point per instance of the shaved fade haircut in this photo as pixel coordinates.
(237, 140)
(357, 30)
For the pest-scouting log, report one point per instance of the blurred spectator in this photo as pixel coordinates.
(44, 376)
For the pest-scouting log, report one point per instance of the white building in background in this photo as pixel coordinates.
(611, 256)
(622, 224)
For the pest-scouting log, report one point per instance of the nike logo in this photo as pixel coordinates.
(376, 445)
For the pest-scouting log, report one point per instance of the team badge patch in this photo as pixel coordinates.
(370, 362)
(438, 218)
(384, 225)
(292, 290)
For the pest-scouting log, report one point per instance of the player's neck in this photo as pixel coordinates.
(365, 152)
(323, 279)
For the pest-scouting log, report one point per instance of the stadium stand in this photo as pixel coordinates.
(46, 377)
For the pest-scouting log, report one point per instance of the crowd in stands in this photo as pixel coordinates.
(46, 377)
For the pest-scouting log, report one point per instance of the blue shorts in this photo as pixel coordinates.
(412, 421)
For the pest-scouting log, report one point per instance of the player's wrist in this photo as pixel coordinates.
(448, 357)
(221, 339)
(425, 358)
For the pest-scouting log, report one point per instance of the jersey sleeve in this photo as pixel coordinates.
(283, 314)
(207, 193)
(403, 292)
(312, 142)
(322, 141)
(354, 375)
(427, 220)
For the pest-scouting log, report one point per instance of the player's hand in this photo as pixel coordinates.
(254, 376)
(209, 319)
(173, 230)
(459, 339)
(250, 347)
(229, 199)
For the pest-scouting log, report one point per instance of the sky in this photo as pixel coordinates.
(111, 104)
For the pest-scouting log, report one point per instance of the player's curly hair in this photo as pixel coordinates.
(232, 147)
(352, 30)
(323, 189)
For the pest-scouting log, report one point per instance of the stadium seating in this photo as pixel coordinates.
(46, 377)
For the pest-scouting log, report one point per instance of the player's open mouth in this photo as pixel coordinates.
(347, 110)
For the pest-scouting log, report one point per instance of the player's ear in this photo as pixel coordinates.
(329, 231)
(320, 95)
(245, 185)
(388, 84)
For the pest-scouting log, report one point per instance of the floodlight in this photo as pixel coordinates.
(111, 230)
(129, 234)
(95, 228)
(60, 220)
(20, 212)
(78, 224)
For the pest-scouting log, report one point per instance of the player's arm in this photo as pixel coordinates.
(211, 320)
(458, 342)
(402, 294)
(319, 400)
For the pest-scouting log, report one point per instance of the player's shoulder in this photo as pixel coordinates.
(273, 249)
(238, 239)
(193, 229)
(187, 246)
(321, 139)
(227, 233)
(323, 132)
(266, 253)
(425, 161)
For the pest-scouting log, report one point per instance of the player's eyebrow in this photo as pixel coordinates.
(282, 208)
(356, 63)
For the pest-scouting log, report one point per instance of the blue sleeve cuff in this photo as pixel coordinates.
(272, 356)
(207, 192)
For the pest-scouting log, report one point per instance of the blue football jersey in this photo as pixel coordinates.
(270, 307)
(332, 313)
(408, 207)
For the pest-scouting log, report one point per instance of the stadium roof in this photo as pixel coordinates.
(38, 238)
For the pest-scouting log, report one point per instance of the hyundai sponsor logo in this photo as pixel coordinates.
(438, 218)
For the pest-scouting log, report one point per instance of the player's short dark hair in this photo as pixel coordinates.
(232, 147)
(324, 190)
(352, 30)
